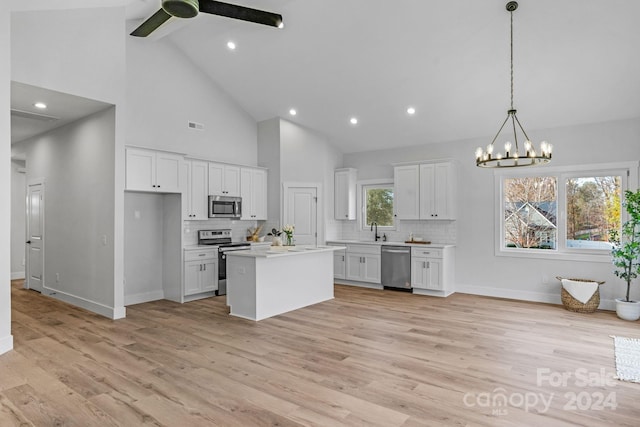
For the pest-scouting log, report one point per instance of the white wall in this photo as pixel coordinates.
(6, 339)
(143, 237)
(82, 52)
(477, 269)
(76, 163)
(298, 155)
(307, 156)
(165, 91)
(18, 195)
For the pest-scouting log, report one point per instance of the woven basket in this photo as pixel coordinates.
(572, 304)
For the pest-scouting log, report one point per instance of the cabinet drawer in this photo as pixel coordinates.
(424, 252)
(199, 255)
(364, 249)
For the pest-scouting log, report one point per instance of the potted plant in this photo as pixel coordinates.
(626, 255)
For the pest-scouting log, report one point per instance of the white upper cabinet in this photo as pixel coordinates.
(196, 195)
(345, 193)
(224, 180)
(406, 183)
(149, 170)
(253, 190)
(437, 191)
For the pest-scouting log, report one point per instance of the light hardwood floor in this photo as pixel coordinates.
(367, 358)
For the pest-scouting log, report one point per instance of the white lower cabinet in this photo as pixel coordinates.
(432, 269)
(363, 263)
(339, 264)
(200, 271)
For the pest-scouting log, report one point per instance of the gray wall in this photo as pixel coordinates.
(18, 226)
(76, 163)
(478, 270)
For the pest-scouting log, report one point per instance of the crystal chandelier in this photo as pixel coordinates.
(512, 157)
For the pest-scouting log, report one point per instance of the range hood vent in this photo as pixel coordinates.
(33, 116)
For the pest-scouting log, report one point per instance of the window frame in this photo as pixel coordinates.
(361, 205)
(628, 171)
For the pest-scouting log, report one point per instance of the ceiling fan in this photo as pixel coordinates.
(190, 8)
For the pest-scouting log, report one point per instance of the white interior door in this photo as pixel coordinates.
(301, 210)
(35, 237)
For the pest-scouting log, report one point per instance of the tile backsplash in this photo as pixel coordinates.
(238, 229)
(442, 232)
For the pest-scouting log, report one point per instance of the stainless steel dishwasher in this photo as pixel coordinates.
(396, 267)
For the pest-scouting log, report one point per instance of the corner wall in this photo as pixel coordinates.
(76, 163)
(18, 214)
(6, 339)
(82, 52)
(301, 155)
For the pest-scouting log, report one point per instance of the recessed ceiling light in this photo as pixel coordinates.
(231, 45)
(293, 112)
(411, 111)
(354, 121)
(40, 105)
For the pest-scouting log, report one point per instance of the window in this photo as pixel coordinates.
(567, 213)
(530, 212)
(377, 205)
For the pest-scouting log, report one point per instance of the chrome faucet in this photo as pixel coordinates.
(376, 235)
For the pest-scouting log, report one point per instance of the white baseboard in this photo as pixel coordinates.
(96, 307)
(358, 284)
(522, 295)
(17, 275)
(6, 344)
(143, 297)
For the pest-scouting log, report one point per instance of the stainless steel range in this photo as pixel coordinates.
(221, 239)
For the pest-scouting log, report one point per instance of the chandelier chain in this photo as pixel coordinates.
(511, 13)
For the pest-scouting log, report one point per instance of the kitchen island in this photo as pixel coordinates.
(265, 282)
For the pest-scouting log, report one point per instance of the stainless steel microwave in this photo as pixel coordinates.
(225, 207)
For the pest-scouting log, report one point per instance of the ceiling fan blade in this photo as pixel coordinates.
(151, 24)
(240, 12)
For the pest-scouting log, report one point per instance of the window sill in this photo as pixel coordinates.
(555, 255)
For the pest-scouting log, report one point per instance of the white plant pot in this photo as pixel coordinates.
(627, 310)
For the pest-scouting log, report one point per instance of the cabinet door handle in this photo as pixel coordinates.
(204, 267)
(424, 264)
(200, 267)
(428, 264)
(342, 257)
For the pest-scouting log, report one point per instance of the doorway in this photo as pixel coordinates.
(35, 236)
(302, 209)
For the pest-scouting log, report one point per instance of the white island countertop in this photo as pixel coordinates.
(267, 281)
(280, 251)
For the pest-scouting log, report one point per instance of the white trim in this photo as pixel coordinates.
(143, 297)
(15, 275)
(360, 203)
(31, 182)
(96, 307)
(6, 344)
(358, 284)
(543, 297)
(320, 234)
(561, 253)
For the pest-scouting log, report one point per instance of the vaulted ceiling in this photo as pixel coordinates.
(576, 61)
